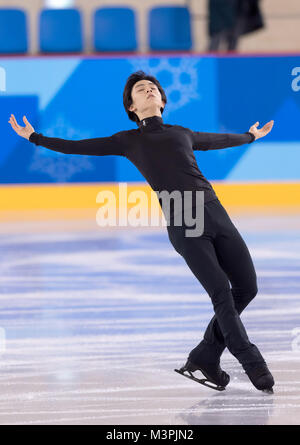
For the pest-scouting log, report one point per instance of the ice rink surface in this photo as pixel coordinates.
(94, 320)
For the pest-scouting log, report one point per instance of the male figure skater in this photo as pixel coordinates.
(164, 154)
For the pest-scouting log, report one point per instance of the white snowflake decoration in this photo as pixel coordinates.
(57, 165)
(186, 91)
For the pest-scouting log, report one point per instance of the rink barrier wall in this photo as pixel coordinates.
(79, 201)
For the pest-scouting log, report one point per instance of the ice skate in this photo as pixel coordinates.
(261, 377)
(215, 377)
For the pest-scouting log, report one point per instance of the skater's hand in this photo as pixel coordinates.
(263, 131)
(26, 131)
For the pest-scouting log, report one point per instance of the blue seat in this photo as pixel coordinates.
(169, 28)
(60, 30)
(13, 31)
(114, 29)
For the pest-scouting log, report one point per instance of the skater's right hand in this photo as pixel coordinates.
(26, 131)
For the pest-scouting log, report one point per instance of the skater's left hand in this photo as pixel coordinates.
(263, 131)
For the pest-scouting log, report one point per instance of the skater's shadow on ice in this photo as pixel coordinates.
(234, 406)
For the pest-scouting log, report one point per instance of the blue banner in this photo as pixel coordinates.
(78, 98)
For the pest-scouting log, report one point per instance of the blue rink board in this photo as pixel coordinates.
(79, 98)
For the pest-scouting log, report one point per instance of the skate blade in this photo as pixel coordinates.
(268, 391)
(204, 382)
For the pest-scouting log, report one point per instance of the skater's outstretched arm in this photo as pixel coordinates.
(214, 141)
(110, 145)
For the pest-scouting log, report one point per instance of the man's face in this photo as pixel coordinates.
(146, 98)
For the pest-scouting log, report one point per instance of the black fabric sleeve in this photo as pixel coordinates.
(110, 145)
(214, 141)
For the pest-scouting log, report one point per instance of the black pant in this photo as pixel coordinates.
(216, 257)
(228, 38)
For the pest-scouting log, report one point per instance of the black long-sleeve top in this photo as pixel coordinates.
(163, 153)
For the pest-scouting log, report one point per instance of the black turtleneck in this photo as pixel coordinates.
(163, 153)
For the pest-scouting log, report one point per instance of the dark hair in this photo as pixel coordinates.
(127, 99)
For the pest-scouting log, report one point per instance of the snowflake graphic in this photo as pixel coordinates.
(178, 75)
(56, 165)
